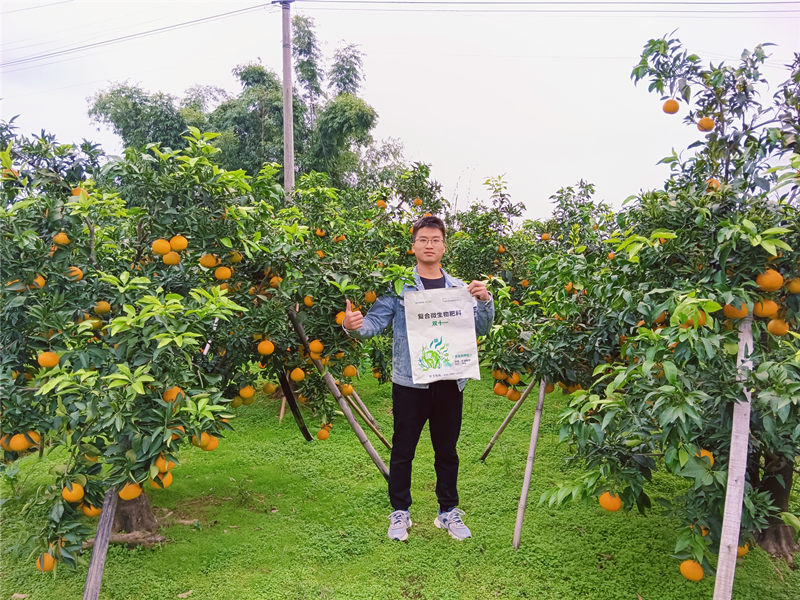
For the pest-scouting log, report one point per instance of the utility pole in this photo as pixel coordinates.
(288, 118)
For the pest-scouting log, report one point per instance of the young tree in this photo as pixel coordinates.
(346, 72)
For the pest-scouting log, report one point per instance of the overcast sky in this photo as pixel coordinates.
(542, 97)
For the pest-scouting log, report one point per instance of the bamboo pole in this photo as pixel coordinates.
(94, 578)
(283, 409)
(526, 484)
(343, 405)
(737, 466)
(510, 416)
(368, 422)
(365, 409)
(298, 416)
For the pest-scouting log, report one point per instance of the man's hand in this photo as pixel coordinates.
(477, 289)
(353, 319)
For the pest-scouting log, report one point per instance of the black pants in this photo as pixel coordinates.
(441, 405)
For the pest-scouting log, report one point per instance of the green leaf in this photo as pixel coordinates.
(226, 242)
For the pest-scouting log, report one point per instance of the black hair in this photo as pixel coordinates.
(434, 222)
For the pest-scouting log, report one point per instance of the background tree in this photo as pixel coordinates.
(346, 72)
(307, 62)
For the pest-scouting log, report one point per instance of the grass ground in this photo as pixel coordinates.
(268, 515)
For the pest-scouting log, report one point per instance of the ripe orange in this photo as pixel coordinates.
(501, 249)
(91, 511)
(545, 237)
(73, 495)
(742, 550)
(47, 360)
(266, 347)
(320, 253)
(178, 243)
(769, 281)
(514, 395)
(316, 347)
(268, 388)
(708, 454)
(275, 282)
(223, 273)
(350, 371)
(340, 317)
(690, 322)
(611, 256)
(712, 185)
(208, 261)
(347, 390)
(417, 202)
(163, 464)
(671, 106)
(38, 282)
(793, 287)
(499, 374)
(691, 570)
(161, 246)
(609, 502)
(500, 389)
(235, 257)
(130, 491)
(102, 307)
(513, 379)
(380, 204)
(18, 443)
(247, 391)
(323, 434)
(164, 478)
(171, 258)
(76, 191)
(175, 436)
(765, 308)
(778, 327)
(74, 273)
(548, 389)
(212, 444)
(705, 124)
(308, 301)
(733, 313)
(202, 442)
(297, 374)
(61, 239)
(320, 232)
(370, 297)
(172, 394)
(4, 442)
(45, 562)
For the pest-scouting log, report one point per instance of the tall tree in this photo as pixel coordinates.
(345, 75)
(307, 59)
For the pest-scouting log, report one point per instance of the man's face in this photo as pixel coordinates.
(429, 246)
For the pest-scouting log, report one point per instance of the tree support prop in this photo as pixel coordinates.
(510, 416)
(94, 578)
(368, 422)
(343, 405)
(526, 484)
(737, 466)
(365, 410)
(298, 417)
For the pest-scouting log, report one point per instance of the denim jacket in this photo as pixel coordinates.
(391, 308)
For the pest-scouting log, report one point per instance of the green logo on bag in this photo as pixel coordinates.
(435, 356)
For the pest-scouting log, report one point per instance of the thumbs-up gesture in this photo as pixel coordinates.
(353, 319)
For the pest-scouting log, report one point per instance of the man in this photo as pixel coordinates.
(439, 403)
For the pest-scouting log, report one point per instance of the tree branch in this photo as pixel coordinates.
(91, 241)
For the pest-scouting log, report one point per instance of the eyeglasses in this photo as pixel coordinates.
(433, 241)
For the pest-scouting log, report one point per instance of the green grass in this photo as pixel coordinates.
(282, 518)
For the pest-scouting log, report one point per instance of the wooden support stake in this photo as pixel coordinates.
(368, 422)
(343, 405)
(283, 409)
(365, 409)
(737, 466)
(510, 416)
(94, 578)
(298, 417)
(526, 484)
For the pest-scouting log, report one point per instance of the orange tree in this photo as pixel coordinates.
(648, 325)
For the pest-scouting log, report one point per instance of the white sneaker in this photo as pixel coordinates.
(400, 521)
(451, 521)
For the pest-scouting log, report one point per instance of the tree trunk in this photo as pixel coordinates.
(135, 518)
(778, 538)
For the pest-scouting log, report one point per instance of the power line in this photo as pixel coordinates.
(8, 12)
(542, 3)
(131, 36)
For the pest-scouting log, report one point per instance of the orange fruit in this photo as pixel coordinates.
(91, 511)
(223, 273)
(765, 308)
(734, 313)
(705, 124)
(61, 239)
(45, 562)
(38, 282)
(247, 391)
(671, 106)
(499, 374)
(525, 283)
(611, 256)
(500, 389)
(130, 491)
(161, 246)
(74, 273)
(164, 478)
(513, 379)
(178, 243)
(212, 444)
(4, 442)
(275, 282)
(376, 374)
(316, 347)
(574, 388)
(73, 495)
(76, 191)
(320, 253)
(172, 394)
(501, 249)
(609, 502)
(742, 550)
(690, 322)
(18, 443)
(237, 402)
(163, 464)
(691, 570)
(769, 281)
(778, 327)
(171, 258)
(513, 395)
(793, 287)
(35, 437)
(545, 237)
(47, 360)
(320, 232)
(350, 371)
(347, 389)
(712, 185)
(235, 257)
(202, 442)
(308, 301)
(340, 317)
(708, 454)
(548, 389)
(266, 347)
(370, 297)
(323, 434)
(208, 261)
(102, 307)
(297, 374)
(268, 388)
(175, 436)
(380, 204)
